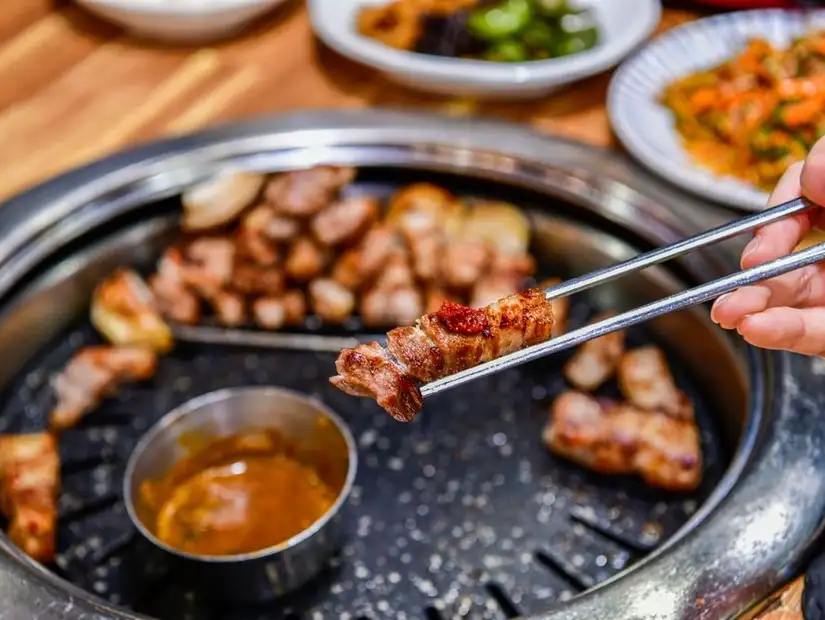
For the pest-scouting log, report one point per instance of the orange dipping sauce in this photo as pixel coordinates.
(236, 495)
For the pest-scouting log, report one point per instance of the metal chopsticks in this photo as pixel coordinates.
(660, 255)
(673, 303)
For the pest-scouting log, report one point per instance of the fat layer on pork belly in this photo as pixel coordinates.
(440, 344)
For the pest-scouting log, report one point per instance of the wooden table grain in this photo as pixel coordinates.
(73, 88)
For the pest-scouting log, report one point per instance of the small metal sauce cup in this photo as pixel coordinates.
(274, 571)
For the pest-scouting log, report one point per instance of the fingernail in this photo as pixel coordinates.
(752, 246)
(716, 305)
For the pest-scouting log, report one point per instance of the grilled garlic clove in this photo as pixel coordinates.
(123, 310)
(502, 224)
(423, 202)
(219, 199)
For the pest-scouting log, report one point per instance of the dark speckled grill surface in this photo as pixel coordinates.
(461, 513)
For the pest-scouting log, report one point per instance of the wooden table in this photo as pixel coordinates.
(73, 89)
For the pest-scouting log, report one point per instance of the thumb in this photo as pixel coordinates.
(813, 175)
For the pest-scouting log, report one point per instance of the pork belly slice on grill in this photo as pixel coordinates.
(595, 361)
(29, 469)
(646, 381)
(92, 374)
(504, 276)
(29, 484)
(229, 307)
(386, 306)
(252, 239)
(306, 259)
(345, 220)
(281, 311)
(439, 344)
(330, 300)
(464, 261)
(620, 439)
(33, 528)
(125, 312)
(361, 263)
(172, 294)
(561, 307)
(303, 193)
(257, 280)
(208, 264)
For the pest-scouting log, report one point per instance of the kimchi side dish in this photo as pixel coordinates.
(755, 114)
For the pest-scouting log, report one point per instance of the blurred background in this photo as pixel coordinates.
(82, 79)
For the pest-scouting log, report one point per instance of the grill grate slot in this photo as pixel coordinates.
(584, 557)
(459, 514)
(508, 607)
(431, 613)
(560, 566)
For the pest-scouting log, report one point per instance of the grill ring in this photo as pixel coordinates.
(744, 541)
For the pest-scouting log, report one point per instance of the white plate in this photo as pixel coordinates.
(623, 24)
(181, 21)
(646, 127)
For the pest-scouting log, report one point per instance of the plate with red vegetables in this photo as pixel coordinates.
(485, 48)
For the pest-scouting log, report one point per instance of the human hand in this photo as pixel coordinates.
(786, 312)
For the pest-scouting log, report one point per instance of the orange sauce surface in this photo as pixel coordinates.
(236, 495)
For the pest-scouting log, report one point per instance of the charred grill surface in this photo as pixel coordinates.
(462, 511)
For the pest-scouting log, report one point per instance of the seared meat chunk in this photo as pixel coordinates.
(596, 360)
(344, 220)
(442, 343)
(303, 193)
(93, 373)
(330, 300)
(617, 438)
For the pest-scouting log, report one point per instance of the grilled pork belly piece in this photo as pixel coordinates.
(621, 439)
(253, 240)
(29, 469)
(306, 260)
(172, 294)
(303, 193)
(646, 382)
(595, 361)
(124, 310)
(29, 484)
(92, 374)
(439, 344)
(561, 308)
(397, 305)
(360, 264)
(277, 312)
(345, 220)
(208, 264)
(330, 300)
(229, 308)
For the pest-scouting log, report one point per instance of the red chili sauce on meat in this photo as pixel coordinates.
(463, 320)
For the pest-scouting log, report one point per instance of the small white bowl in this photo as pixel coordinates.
(181, 21)
(623, 24)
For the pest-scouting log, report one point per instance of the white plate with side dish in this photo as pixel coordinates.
(647, 128)
(621, 25)
(181, 21)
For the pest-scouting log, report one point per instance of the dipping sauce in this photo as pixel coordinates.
(236, 495)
